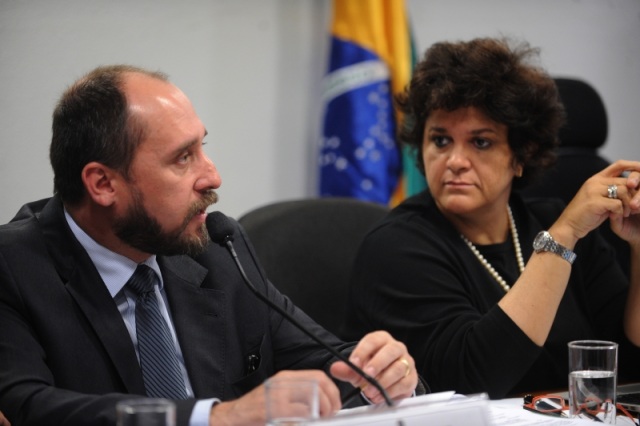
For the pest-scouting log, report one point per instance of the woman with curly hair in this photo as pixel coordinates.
(485, 288)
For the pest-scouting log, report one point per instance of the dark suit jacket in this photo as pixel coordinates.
(66, 357)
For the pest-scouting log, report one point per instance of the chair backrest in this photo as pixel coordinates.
(578, 158)
(307, 248)
(587, 124)
(580, 138)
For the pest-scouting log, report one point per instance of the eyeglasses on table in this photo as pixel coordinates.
(556, 405)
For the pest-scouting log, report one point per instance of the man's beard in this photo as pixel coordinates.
(143, 232)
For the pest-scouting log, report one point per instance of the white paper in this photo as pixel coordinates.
(444, 408)
(451, 409)
(509, 412)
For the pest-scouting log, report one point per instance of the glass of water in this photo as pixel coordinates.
(291, 402)
(593, 367)
(146, 412)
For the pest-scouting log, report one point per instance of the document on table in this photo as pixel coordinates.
(443, 408)
(453, 409)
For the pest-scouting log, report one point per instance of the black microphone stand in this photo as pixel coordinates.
(229, 244)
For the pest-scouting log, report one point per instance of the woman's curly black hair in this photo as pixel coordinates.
(500, 80)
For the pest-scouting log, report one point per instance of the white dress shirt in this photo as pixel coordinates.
(115, 270)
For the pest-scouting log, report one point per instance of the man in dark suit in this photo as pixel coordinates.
(131, 184)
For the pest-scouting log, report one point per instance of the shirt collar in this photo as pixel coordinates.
(114, 269)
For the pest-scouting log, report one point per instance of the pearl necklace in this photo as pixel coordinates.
(485, 262)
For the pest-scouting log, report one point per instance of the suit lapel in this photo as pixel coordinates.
(85, 286)
(197, 315)
(197, 312)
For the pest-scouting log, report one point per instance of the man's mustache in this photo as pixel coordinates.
(210, 197)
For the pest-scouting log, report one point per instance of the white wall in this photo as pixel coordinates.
(595, 40)
(253, 70)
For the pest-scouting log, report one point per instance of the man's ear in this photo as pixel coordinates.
(100, 183)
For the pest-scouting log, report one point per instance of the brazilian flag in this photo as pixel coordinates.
(370, 61)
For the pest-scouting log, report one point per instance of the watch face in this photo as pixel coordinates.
(545, 242)
(541, 240)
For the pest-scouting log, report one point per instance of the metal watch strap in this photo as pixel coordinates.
(562, 251)
(544, 241)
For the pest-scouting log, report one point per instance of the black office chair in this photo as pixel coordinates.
(578, 158)
(307, 248)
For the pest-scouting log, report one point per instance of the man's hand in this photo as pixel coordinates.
(250, 409)
(377, 354)
(386, 360)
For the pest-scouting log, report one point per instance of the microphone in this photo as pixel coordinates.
(221, 232)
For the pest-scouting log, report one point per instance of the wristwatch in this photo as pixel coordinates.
(545, 242)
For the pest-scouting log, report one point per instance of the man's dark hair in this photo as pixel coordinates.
(91, 122)
(499, 80)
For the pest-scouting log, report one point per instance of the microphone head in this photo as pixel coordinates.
(219, 227)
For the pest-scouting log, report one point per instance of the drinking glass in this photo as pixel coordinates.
(291, 402)
(593, 367)
(146, 412)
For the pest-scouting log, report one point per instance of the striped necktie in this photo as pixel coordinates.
(158, 360)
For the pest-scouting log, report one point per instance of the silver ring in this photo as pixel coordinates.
(612, 191)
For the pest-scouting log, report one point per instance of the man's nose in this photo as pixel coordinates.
(210, 178)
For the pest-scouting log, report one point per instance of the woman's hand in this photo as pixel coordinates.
(610, 194)
(3, 420)
(627, 225)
